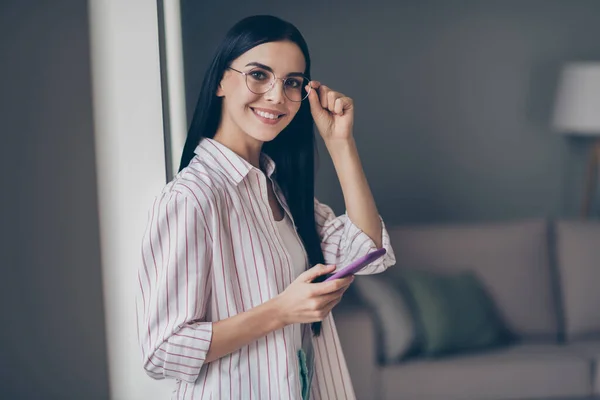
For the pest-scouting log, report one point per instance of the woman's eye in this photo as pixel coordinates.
(258, 75)
(292, 83)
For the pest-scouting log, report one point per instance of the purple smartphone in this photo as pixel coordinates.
(357, 265)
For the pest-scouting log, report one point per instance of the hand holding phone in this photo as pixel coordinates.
(357, 265)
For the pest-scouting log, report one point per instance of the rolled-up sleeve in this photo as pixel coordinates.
(342, 241)
(174, 289)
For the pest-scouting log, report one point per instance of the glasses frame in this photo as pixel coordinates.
(273, 81)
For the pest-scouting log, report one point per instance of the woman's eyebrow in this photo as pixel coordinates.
(263, 66)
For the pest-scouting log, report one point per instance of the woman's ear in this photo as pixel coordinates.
(220, 92)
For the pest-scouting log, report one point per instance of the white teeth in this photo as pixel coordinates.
(266, 115)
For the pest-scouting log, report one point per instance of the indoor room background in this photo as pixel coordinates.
(454, 105)
(454, 100)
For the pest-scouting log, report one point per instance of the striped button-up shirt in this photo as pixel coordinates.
(212, 250)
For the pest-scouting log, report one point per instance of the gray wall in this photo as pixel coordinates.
(453, 98)
(52, 342)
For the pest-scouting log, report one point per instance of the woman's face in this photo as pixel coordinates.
(261, 116)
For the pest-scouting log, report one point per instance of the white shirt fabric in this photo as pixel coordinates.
(212, 250)
(291, 242)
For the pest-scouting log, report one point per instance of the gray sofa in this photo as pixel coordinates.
(544, 277)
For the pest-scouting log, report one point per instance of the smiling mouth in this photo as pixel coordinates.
(266, 115)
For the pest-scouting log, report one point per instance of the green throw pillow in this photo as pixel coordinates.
(453, 312)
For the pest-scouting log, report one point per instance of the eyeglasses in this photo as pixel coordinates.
(260, 81)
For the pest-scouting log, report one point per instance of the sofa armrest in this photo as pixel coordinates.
(358, 337)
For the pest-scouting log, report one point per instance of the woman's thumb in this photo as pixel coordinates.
(316, 271)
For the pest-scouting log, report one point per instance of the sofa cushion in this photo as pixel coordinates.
(511, 259)
(578, 257)
(453, 312)
(394, 319)
(518, 372)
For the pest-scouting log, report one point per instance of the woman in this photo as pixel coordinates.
(226, 286)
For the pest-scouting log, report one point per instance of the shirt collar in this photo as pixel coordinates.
(226, 160)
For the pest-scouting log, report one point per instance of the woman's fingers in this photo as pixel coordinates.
(338, 107)
(330, 100)
(335, 295)
(330, 287)
(315, 272)
(323, 95)
(326, 298)
(329, 302)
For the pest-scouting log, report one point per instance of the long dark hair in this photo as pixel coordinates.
(293, 150)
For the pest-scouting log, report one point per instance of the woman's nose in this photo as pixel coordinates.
(276, 93)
